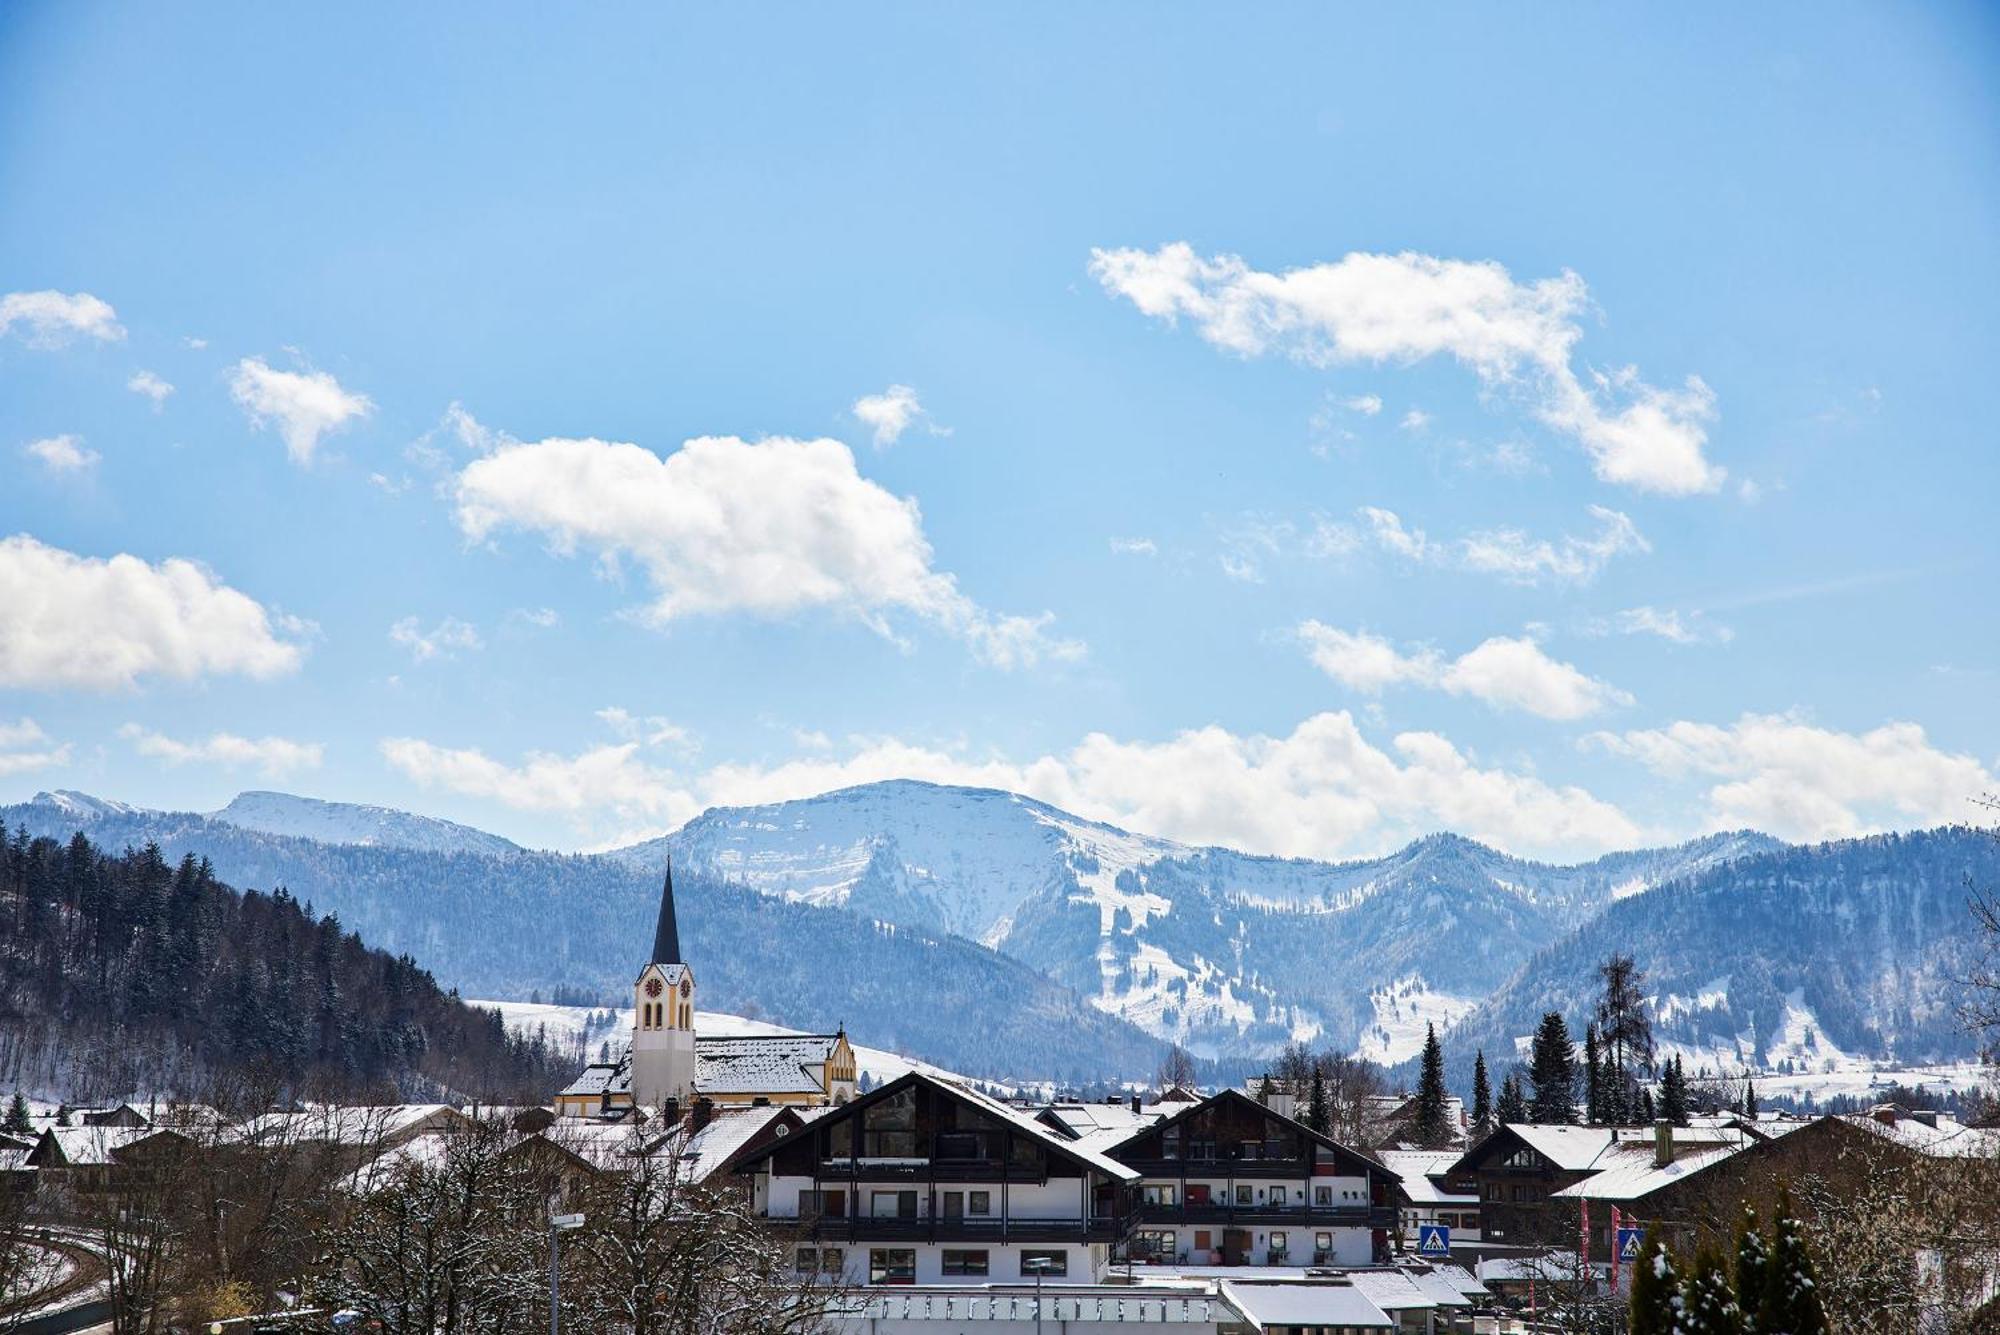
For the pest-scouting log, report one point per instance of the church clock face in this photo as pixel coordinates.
(652, 987)
(687, 989)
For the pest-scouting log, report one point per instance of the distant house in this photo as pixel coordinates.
(91, 1159)
(1431, 1196)
(1228, 1180)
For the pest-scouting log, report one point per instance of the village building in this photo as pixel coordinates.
(1228, 1180)
(925, 1181)
(667, 1062)
(1431, 1198)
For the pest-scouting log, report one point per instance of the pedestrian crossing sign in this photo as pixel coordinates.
(1628, 1243)
(1433, 1240)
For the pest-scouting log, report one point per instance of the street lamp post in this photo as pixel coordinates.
(558, 1225)
(1038, 1265)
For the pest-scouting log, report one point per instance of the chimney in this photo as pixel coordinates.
(702, 1114)
(1135, 1103)
(672, 1112)
(1885, 1113)
(1663, 1143)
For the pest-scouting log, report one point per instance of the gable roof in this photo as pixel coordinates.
(762, 1063)
(1370, 1164)
(1627, 1171)
(1419, 1171)
(1048, 1137)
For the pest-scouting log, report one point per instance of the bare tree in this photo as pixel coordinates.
(1177, 1070)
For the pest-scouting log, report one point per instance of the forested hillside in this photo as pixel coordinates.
(1784, 959)
(508, 926)
(126, 974)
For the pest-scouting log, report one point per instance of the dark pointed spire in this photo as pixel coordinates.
(667, 935)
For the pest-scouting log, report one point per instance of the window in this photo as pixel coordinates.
(892, 1265)
(1155, 1242)
(1322, 1195)
(979, 1202)
(1243, 1195)
(1278, 1244)
(832, 1204)
(806, 1262)
(1322, 1242)
(1277, 1195)
(964, 1262)
(893, 1205)
(891, 1132)
(1046, 1262)
(832, 1260)
(1152, 1195)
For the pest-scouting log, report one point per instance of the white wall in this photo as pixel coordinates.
(1086, 1263)
(1059, 1198)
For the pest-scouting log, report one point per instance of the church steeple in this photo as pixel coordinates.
(667, 935)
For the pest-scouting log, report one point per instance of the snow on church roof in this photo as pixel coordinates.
(773, 1064)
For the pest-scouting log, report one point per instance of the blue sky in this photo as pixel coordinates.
(1566, 426)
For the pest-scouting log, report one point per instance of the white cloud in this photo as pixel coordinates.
(652, 729)
(1505, 672)
(196, 343)
(152, 386)
(1321, 791)
(772, 528)
(1365, 404)
(1516, 338)
(304, 405)
(1516, 557)
(274, 757)
(1781, 774)
(438, 642)
(1666, 623)
(24, 748)
(541, 618)
(892, 412)
(62, 455)
(1506, 552)
(81, 621)
(53, 319)
(1415, 420)
(1135, 547)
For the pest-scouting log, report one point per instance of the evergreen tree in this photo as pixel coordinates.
(1790, 1304)
(1513, 1102)
(1674, 1093)
(1749, 1097)
(17, 1116)
(1708, 1301)
(1593, 1089)
(1646, 1111)
(1552, 1070)
(1433, 1123)
(1655, 1287)
(1625, 1028)
(1753, 1267)
(1317, 1115)
(1482, 1094)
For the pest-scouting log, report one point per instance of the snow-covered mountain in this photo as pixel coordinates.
(355, 823)
(1218, 949)
(300, 818)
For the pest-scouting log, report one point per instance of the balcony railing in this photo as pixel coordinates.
(956, 1228)
(1276, 1216)
(1220, 1167)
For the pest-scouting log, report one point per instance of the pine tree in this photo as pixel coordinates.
(1433, 1124)
(1646, 1110)
(1317, 1116)
(1749, 1097)
(1655, 1287)
(1513, 1102)
(1674, 1093)
(1593, 1072)
(1482, 1094)
(1790, 1303)
(1625, 1028)
(17, 1116)
(1753, 1267)
(1708, 1301)
(1552, 1070)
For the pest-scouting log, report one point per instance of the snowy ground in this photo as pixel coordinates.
(1401, 1011)
(567, 1024)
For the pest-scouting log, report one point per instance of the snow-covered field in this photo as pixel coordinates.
(1401, 1012)
(568, 1024)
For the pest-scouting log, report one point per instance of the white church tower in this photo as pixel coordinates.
(663, 1016)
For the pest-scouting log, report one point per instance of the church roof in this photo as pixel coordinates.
(667, 932)
(762, 1064)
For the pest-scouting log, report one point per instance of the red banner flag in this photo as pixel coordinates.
(1616, 1224)
(1583, 1244)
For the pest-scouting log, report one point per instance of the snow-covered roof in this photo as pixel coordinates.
(700, 1155)
(425, 1150)
(761, 1064)
(1396, 1291)
(1627, 1172)
(1083, 1119)
(1442, 1287)
(15, 1161)
(352, 1125)
(1571, 1148)
(87, 1146)
(1522, 1269)
(598, 1077)
(1927, 1133)
(1420, 1171)
(1047, 1135)
(1308, 1304)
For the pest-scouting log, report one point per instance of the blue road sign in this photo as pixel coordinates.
(1433, 1240)
(1628, 1243)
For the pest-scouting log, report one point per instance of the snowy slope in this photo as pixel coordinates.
(354, 823)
